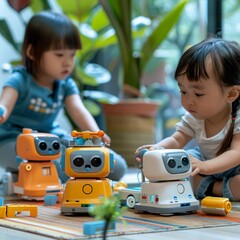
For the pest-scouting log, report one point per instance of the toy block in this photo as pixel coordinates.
(90, 228)
(2, 212)
(50, 200)
(14, 209)
(1, 201)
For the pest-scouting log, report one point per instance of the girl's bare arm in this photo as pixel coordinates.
(223, 162)
(81, 116)
(176, 141)
(8, 99)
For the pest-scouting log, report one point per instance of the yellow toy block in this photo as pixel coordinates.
(2, 212)
(13, 209)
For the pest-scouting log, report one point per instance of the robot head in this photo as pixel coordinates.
(88, 162)
(166, 165)
(38, 146)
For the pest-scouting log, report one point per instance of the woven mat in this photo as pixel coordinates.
(50, 223)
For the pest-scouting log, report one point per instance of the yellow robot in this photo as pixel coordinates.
(37, 173)
(87, 163)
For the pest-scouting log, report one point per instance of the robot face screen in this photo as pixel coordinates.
(47, 145)
(87, 161)
(176, 162)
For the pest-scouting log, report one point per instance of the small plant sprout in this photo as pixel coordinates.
(109, 211)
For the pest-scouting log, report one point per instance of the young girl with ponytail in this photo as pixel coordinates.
(208, 75)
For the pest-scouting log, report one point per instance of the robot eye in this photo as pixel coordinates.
(185, 161)
(96, 161)
(56, 145)
(78, 161)
(171, 163)
(42, 145)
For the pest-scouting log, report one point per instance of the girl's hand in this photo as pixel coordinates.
(143, 147)
(139, 158)
(198, 166)
(150, 147)
(2, 114)
(106, 139)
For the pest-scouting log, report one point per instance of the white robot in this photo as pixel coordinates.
(168, 190)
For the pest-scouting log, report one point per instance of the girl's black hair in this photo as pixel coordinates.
(45, 31)
(225, 59)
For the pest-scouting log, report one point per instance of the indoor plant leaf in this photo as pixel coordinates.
(37, 5)
(92, 106)
(80, 9)
(92, 74)
(160, 33)
(134, 63)
(98, 19)
(6, 33)
(101, 97)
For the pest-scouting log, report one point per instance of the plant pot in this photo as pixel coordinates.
(131, 124)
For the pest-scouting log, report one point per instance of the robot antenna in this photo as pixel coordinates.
(87, 134)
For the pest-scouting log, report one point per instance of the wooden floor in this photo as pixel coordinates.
(220, 233)
(217, 233)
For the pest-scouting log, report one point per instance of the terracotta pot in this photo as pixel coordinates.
(145, 108)
(130, 124)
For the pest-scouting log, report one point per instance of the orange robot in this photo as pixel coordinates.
(87, 162)
(37, 173)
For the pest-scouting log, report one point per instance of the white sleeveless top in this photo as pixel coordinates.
(196, 129)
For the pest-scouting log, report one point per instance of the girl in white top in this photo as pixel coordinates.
(208, 76)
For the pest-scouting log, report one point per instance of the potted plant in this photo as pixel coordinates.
(131, 122)
(135, 60)
(110, 24)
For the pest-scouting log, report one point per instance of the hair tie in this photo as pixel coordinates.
(233, 120)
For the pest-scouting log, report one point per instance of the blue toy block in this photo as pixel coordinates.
(90, 228)
(1, 201)
(50, 200)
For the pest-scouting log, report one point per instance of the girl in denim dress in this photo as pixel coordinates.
(34, 94)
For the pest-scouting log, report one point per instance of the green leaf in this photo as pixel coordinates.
(139, 26)
(80, 9)
(6, 33)
(108, 210)
(37, 5)
(92, 107)
(101, 97)
(102, 75)
(119, 13)
(92, 74)
(98, 19)
(160, 33)
(108, 38)
(133, 63)
(88, 38)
